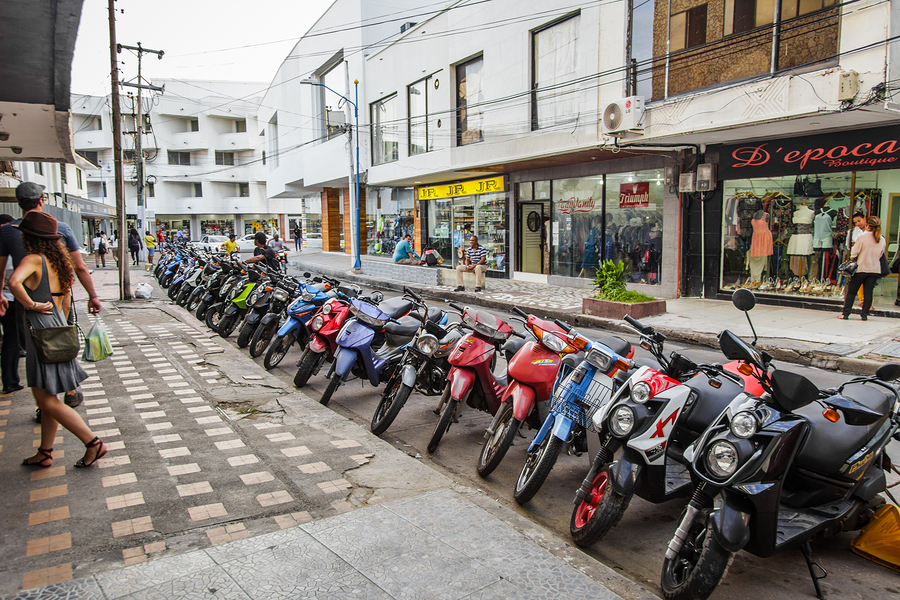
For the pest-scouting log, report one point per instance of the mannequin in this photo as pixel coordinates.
(800, 246)
(761, 246)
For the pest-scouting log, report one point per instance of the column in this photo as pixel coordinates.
(331, 220)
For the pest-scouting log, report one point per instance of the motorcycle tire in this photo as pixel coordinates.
(183, 294)
(278, 349)
(165, 281)
(598, 512)
(214, 318)
(699, 567)
(393, 398)
(247, 331)
(537, 466)
(308, 363)
(200, 313)
(173, 291)
(227, 325)
(505, 426)
(443, 425)
(333, 385)
(194, 301)
(262, 338)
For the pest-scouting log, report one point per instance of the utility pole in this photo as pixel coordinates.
(139, 128)
(124, 278)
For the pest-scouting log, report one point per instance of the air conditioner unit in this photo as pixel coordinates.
(624, 115)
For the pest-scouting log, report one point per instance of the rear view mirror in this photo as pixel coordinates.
(307, 274)
(888, 372)
(792, 391)
(743, 299)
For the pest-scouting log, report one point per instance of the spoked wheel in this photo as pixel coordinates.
(600, 511)
(308, 364)
(445, 420)
(278, 349)
(214, 318)
(504, 428)
(537, 466)
(333, 385)
(392, 400)
(261, 338)
(700, 565)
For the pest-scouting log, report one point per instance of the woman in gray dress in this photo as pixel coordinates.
(42, 283)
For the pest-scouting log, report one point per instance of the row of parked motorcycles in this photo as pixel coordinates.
(766, 459)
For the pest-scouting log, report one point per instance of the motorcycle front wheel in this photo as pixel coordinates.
(333, 385)
(444, 423)
(538, 465)
(247, 331)
(183, 294)
(699, 567)
(173, 290)
(600, 511)
(262, 337)
(308, 363)
(195, 300)
(278, 349)
(200, 313)
(392, 400)
(214, 318)
(227, 325)
(505, 427)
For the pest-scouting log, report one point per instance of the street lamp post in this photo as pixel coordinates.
(357, 264)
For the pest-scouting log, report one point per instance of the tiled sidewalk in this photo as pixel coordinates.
(436, 545)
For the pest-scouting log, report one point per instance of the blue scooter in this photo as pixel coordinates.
(355, 353)
(575, 399)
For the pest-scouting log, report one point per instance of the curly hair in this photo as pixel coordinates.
(56, 255)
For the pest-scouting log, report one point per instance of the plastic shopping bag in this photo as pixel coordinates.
(143, 291)
(96, 343)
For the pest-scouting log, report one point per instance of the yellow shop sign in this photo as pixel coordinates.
(463, 188)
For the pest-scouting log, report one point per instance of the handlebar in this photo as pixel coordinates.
(517, 334)
(415, 296)
(456, 307)
(566, 327)
(645, 329)
(520, 312)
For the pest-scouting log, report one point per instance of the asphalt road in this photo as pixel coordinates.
(637, 545)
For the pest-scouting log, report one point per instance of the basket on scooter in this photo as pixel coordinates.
(578, 402)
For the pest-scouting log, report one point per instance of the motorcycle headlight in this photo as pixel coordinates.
(253, 298)
(640, 392)
(601, 360)
(307, 296)
(621, 421)
(722, 459)
(743, 425)
(280, 295)
(553, 342)
(427, 344)
(326, 310)
(317, 323)
(235, 292)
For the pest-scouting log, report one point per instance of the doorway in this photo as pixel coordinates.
(534, 251)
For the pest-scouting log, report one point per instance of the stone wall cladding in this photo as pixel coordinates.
(407, 273)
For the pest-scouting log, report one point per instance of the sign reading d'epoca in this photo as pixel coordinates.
(858, 150)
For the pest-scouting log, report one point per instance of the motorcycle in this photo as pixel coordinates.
(210, 271)
(267, 300)
(214, 297)
(236, 306)
(423, 367)
(774, 471)
(577, 397)
(644, 431)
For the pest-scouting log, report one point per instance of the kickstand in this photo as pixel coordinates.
(807, 554)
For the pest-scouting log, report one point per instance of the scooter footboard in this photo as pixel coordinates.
(626, 472)
(730, 524)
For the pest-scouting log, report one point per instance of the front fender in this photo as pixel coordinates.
(461, 382)
(522, 397)
(626, 472)
(317, 344)
(232, 310)
(254, 317)
(269, 317)
(562, 427)
(409, 376)
(344, 359)
(290, 324)
(730, 524)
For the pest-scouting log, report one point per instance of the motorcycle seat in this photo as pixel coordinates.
(617, 345)
(407, 327)
(828, 445)
(395, 307)
(511, 346)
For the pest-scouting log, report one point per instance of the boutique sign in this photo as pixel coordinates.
(861, 150)
(634, 195)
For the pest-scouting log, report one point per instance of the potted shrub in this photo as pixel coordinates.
(613, 300)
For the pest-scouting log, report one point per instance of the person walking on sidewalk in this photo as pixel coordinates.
(42, 283)
(298, 238)
(867, 253)
(99, 253)
(31, 199)
(476, 260)
(150, 241)
(10, 349)
(135, 245)
(404, 254)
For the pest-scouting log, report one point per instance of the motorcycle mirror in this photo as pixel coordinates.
(888, 372)
(307, 274)
(743, 299)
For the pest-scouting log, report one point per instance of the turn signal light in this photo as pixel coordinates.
(621, 365)
(745, 369)
(579, 342)
(715, 383)
(270, 289)
(832, 415)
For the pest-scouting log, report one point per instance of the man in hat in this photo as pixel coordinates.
(31, 198)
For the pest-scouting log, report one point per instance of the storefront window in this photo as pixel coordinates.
(634, 224)
(577, 222)
(490, 227)
(439, 228)
(217, 227)
(170, 226)
(787, 235)
(390, 215)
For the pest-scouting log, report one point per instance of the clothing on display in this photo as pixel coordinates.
(762, 236)
(822, 231)
(801, 243)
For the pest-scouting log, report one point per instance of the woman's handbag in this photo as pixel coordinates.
(848, 268)
(885, 267)
(56, 344)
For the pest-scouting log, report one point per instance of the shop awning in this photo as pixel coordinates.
(90, 208)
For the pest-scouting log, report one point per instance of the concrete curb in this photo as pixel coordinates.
(813, 358)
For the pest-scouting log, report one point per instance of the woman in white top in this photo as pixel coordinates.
(867, 253)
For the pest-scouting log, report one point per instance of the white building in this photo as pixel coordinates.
(204, 157)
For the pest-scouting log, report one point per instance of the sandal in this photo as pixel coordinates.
(42, 463)
(101, 452)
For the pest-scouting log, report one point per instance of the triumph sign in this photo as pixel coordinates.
(634, 195)
(861, 150)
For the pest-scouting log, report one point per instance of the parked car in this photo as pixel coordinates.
(246, 244)
(210, 242)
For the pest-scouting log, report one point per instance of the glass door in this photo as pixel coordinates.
(463, 228)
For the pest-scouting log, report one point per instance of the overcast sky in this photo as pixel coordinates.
(201, 39)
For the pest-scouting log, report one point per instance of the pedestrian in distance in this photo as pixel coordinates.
(150, 241)
(275, 243)
(42, 284)
(298, 238)
(475, 261)
(160, 238)
(30, 197)
(867, 252)
(231, 245)
(135, 245)
(99, 255)
(404, 254)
